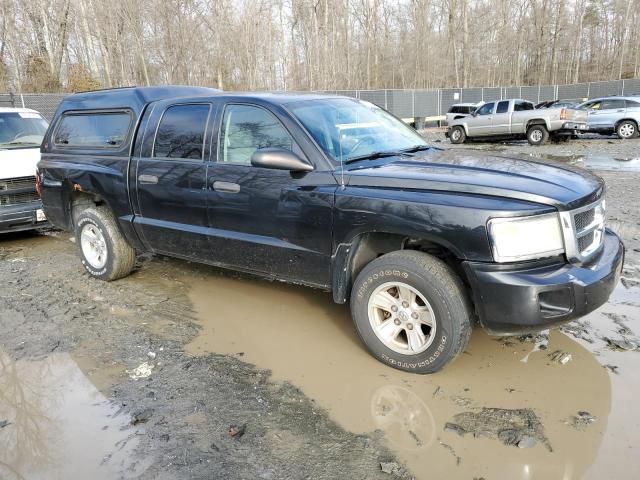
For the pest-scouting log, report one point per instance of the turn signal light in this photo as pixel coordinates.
(563, 114)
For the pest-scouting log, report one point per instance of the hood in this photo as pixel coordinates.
(476, 172)
(18, 162)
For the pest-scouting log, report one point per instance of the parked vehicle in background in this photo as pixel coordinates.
(613, 115)
(334, 193)
(517, 119)
(21, 133)
(460, 110)
(559, 104)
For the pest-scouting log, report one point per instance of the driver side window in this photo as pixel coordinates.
(486, 109)
(247, 128)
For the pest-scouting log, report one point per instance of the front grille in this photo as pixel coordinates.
(20, 183)
(585, 242)
(584, 219)
(18, 198)
(585, 234)
(15, 191)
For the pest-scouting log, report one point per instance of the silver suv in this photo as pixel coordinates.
(608, 115)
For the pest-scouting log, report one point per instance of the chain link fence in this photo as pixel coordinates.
(435, 103)
(408, 103)
(45, 103)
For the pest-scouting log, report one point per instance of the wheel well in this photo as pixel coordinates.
(537, 121)
(627, 120)
(370, 246)
(80, 201)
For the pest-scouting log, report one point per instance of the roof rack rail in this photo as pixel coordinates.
(107, 89)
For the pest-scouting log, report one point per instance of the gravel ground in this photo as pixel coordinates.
(593, 146)
(48, 304)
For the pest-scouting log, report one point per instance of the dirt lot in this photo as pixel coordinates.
(185, 371)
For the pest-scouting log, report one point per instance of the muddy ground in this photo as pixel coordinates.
(185, 371)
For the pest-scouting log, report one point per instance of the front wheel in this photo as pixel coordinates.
(411, 311)
(457, 135)
(537, 135)
(626, 130)
(104, 251)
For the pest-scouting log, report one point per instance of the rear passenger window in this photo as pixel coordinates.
(522, 106)
(503, 107)
(101, 130)
(181, 132)
(246, 129)
(612, 104)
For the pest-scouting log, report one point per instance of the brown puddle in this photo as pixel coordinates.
(59, 425)
(304, 338)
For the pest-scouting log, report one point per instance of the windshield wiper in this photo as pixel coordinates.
(19, 143)
(375, 155)
(416, 148)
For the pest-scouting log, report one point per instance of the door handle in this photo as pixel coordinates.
(149, 179)
(226, 187)
(621, 110)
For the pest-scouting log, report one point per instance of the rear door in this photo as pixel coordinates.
(501, 119)
(274, 222)
(170, 203)
(522, 111)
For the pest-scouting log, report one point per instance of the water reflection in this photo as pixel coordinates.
(302, 337)
(405, 419)
(59, 426)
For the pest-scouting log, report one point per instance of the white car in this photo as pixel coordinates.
(461, 110)
(21, 133)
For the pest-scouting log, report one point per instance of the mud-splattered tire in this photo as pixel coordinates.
(537, 135)
(411, 311)
(457, 135)
(104, 252)
(627, 129)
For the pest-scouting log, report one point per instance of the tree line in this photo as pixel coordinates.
(71, 45)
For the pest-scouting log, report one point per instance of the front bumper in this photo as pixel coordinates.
(24, 216)
(519, 299)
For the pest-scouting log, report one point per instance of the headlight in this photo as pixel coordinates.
(524, 238)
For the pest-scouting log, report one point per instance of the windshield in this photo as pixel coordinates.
(349, 128)
(21, 129)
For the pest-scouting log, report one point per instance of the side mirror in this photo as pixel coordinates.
(474, 113)
(279, 159)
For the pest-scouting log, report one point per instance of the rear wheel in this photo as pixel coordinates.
(537, 135)
(411, 311)
(627, 129)
(104, 252)
(457, 135)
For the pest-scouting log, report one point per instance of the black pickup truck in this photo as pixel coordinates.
(337, 194)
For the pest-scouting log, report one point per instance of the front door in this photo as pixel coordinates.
(603, 115)
(170, 179)
(274, 222)
(480, 124)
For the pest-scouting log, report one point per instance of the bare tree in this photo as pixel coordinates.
(51, 45)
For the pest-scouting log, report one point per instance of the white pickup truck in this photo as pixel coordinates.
(517, 119)
(21, 133)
